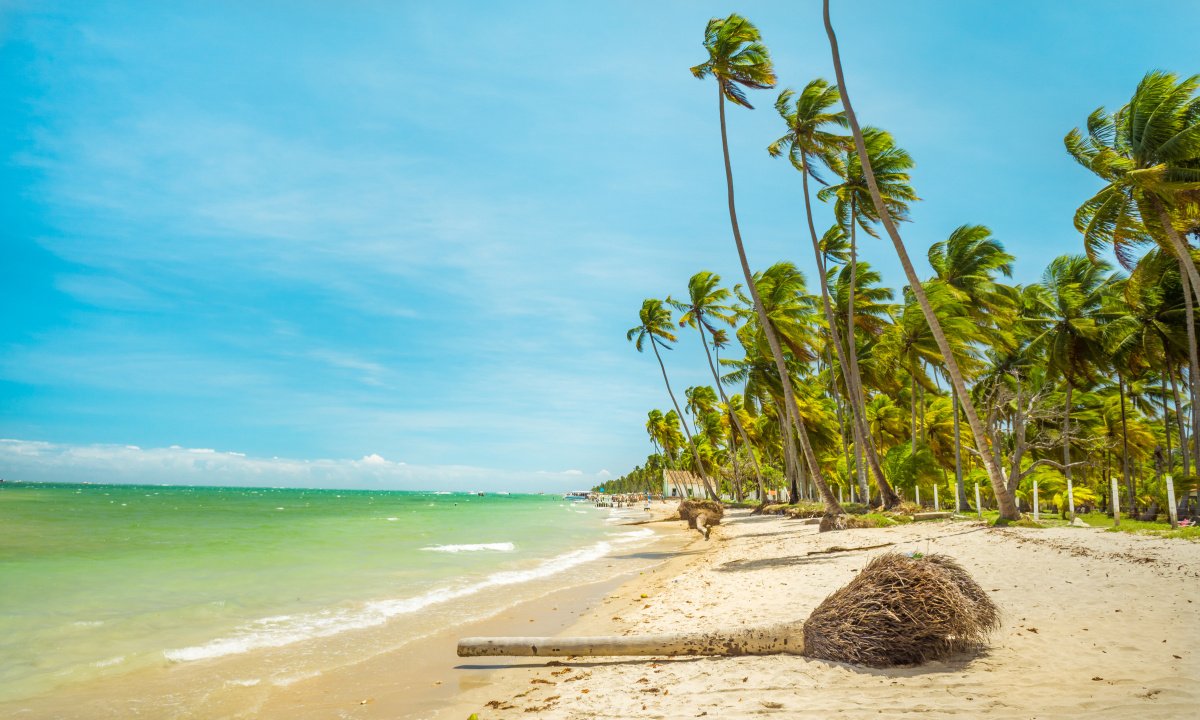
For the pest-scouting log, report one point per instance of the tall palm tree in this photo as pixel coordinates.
(1069, 301)
(809, 145)
(705, 305)
(853, 209)
(1148, 154)
(968, 262)
(738, 59)
(1008, 506)
(655, 325)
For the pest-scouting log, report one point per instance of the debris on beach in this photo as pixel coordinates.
(701, 515)
(899, 610)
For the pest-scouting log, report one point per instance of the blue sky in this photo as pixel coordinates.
(366, 234)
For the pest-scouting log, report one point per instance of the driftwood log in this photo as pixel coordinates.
(899, 610)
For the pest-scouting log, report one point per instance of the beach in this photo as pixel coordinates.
(1094, 624)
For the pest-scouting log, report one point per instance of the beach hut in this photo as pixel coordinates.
(676, 482)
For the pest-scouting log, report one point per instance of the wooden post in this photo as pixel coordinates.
(1172, 511)
(1036, 509)
(1115, 502)
(978, 506)
(769, 640)
(936, 505)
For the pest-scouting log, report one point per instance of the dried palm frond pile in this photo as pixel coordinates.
(901, 610)
(701, 515)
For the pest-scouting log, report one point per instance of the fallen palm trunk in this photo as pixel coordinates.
(772, 640)
(899, 610)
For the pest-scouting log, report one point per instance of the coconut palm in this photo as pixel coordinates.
(738, 59)
(655, 326)
(1148, 154)
(968, 262)
(1069, 301)
(810, 145)
(706, 305)
(1008, 506)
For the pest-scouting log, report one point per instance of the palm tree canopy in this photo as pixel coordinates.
(706, 301)
(1067, 306)
(656, 324)
(1149, 150)
(807, 143)
(891, 165)
(736, 58)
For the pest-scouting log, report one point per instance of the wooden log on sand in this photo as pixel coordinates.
(899, 610)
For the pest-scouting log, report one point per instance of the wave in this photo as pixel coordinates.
(498, 547)
(283, 630)
(632, 536)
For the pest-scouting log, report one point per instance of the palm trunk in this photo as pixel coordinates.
(1066, 438)
(1125, 447)
(860, 434)
(732, 414)
(1183, 439)
(790, 462)
(708, 488)
(1193, 368)
(960, 498)
(1162, 391)
(832, 507)
(1008, 508)
(853, 389)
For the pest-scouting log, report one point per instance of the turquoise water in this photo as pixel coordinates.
(103, 579)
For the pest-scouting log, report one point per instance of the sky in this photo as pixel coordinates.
(380, 244)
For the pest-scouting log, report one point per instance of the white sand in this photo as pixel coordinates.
(1095, 624)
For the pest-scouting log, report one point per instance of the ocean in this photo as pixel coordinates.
(99, 581)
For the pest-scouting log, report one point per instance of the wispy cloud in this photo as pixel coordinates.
(51, 462)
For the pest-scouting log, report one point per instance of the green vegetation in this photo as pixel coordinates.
(856, 392)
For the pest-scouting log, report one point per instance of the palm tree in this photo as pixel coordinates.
(656, 327)
(1008, 506)
(1068, 304)
(968, 262)
(809, 146)
(853, 209)
(1148, 154)
(705, 304)
(738, 59)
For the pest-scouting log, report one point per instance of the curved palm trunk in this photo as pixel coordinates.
(1183, 451)
(1008, 508)
(853, 388)
(732, 415)
(1193, 368)
(860, 434)
(708, 488)
(1066, 436)
(793, 410)
(960, 499)
(1125, 449)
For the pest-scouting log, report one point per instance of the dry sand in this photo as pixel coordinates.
(1095, 624)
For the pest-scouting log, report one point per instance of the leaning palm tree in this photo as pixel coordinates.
(810, 145)
(1008, 505)
(968, 262)
(704, 306)
(854, 209)
(1148, 154)
(738, 59)
(655, 325)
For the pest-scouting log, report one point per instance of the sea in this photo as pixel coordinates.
(100, 581)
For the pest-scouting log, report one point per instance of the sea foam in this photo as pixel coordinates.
(497, 547)
(283, 630)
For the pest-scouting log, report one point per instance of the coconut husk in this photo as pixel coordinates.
(901, 610)
(701, 515)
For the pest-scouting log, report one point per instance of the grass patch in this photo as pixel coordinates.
(799, 510)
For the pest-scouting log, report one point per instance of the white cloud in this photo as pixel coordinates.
(38, 461)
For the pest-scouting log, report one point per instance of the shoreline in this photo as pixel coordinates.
(1093, 623)
(358, 677)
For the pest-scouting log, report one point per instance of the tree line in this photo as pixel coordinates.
(843, 387)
